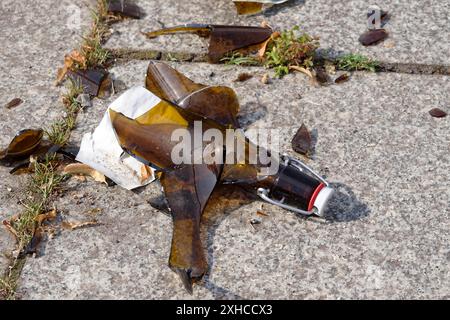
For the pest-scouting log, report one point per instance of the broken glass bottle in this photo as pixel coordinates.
(189, 108)
(223, 39)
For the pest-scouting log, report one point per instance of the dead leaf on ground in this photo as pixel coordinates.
(13, 103)
(75, 57)
(302, 142)
(302, 70)
(85, 170)
(79, 225)
(437, 113)
(48, 216)
(10, 229)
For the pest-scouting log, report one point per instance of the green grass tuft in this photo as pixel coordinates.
(357, 62)
(291, 49)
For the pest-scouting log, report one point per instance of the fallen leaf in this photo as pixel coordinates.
(78, 225)
(13, 103)
(302, 70)
(48, 216)
(302, 142)
(10, 228)
(372, 37)
(342, 78)
(261, 213)
(85, 170)
(243, 77)
(437, 113)
(69, 61)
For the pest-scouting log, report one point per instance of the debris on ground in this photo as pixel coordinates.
(372, 37)
(101, 151)
(14, 103)
(23, 144)
(84, 100)
(124, 8)
(242, 77)
(342, 78)
(302, 141)
(68, 225)
(322, 76)
(254, 6)
(265, 78)
(89, 80)
(80, 169)
(255, 221)
(437, 113)
(223, 40)
(176, 102)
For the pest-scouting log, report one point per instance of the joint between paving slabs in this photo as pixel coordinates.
(58, 133)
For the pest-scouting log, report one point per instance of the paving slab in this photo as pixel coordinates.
(419, 30)
(34, 39)
(386, 236)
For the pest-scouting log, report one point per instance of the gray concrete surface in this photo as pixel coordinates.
(387, 233)
(419, 30)
(387, 237)
(34, 38)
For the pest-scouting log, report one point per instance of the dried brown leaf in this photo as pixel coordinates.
(85, 170)
(302, 70)
(48, 216)
(78, 225)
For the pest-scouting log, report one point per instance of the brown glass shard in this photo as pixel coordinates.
(14, 103)
(248, 7)
(23, 144)
(342, 78)
(125, 8)
(437, 113)
(202, 30)
(149, 139)
(242, 77)
(187, 190)
(372, 37)
(89, 80)
(302, 142)
(167, 83)
(223, 39)
(217, 103)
